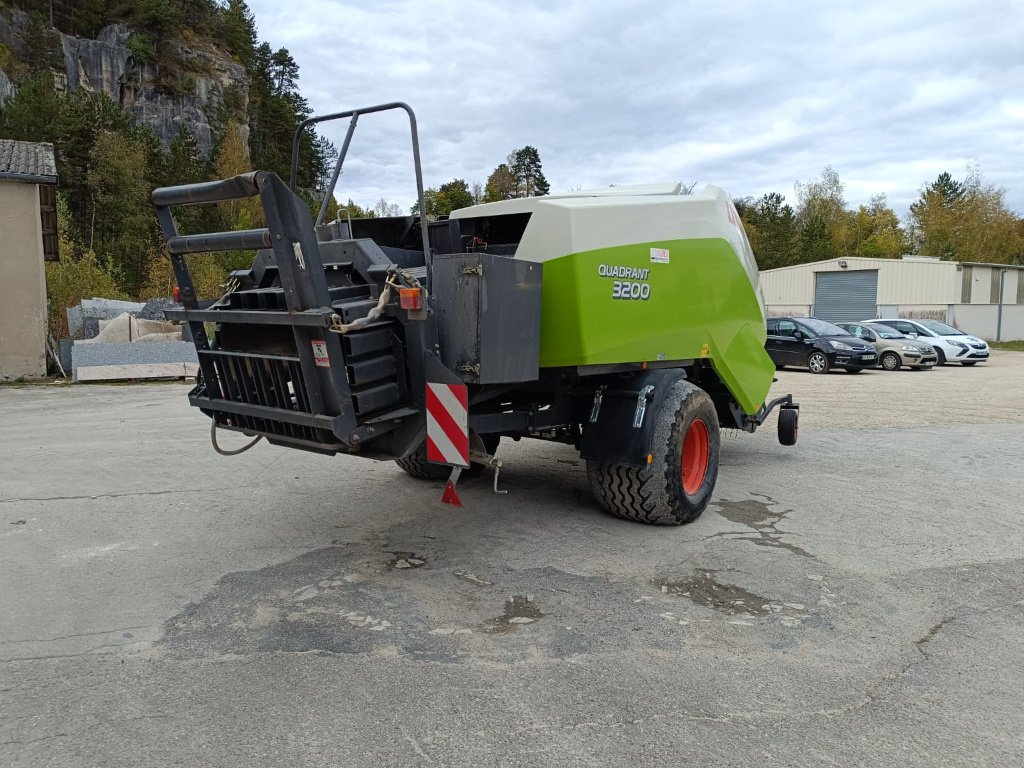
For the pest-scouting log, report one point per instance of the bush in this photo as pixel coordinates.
(209, 275)
(142, 48)
(14, 69)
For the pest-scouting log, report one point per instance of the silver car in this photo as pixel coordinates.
(894, 349)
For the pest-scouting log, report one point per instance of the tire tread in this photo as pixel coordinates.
(632, 493)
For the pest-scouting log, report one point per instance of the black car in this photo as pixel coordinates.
(818, 345)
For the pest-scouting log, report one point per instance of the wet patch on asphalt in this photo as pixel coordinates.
(428, 590)
(350, 600)
(519, 610)
(704, 590)
(760, 516)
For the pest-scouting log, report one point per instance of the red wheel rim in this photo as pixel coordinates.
(694, 461)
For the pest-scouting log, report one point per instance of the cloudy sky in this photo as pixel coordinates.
(745, 95)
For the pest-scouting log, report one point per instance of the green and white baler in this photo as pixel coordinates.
(626, 322)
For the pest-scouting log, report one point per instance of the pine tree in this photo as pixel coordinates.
(237, 31)
(526, 167)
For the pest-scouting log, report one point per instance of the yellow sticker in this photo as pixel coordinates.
(704, 349)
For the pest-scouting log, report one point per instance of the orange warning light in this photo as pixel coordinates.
(410, 298)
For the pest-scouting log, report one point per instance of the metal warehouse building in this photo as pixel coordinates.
(984, 299)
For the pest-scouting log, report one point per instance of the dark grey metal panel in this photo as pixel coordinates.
(846, 296)
(488, 316)
(613, 436)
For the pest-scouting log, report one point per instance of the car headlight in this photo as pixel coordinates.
(910, 349)
(959, 344)
(841, 345)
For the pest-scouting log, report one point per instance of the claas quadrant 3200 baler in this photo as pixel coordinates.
(626, 322)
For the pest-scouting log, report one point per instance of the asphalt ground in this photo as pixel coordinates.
(855, 600)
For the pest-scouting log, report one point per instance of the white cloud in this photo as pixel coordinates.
(746, 95)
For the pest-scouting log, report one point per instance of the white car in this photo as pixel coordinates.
(951, 344)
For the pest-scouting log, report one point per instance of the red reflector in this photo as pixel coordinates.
(176, 294)
(410, 298)
(450, 496)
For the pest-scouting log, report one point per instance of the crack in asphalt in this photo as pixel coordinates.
(69, 637)
(931, 633)
(867, 698)
(93, 497)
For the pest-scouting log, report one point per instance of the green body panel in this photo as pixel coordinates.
(701, 304)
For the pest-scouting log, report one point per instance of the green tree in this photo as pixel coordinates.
(967, 221)
(275, 109)
(501, 185)
(43, 51)
(75, 276)
(34, 112)
(822, 218)
(877, 231)
(200, 14)
(451, 196)
(933, 217)
(429, 202)
(526, 167)
(232, 159)
(354, 210)
(237, 31)
(186, 165)
(125, 229)
(89, 129)
(771, 227)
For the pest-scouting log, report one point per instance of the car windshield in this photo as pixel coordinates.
(886, 332)
(822, 328)
(940, 328)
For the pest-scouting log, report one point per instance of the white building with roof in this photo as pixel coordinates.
(984, 299)
(28, 236)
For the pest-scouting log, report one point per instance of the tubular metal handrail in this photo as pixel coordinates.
(354, 115)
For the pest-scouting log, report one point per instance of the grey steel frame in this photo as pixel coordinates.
(354, 115)
(291, 235)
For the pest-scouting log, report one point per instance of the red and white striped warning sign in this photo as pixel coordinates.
(448, 424)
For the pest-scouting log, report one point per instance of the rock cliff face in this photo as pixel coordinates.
(213, 84)
(6, 87)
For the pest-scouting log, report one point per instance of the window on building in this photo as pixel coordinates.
(993, 294)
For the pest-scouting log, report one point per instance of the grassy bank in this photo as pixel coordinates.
(1013, 346)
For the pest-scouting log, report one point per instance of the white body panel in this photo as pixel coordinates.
(585, 221)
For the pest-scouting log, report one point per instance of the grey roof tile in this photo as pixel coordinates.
(26, 158)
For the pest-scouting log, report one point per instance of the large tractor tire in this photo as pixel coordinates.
(416, 465)
(676, 484)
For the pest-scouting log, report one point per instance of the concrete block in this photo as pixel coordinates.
(85, 355)
(83, 320)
